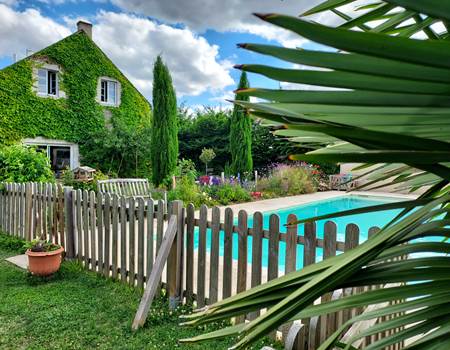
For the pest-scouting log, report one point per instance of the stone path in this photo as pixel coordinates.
(19, 260)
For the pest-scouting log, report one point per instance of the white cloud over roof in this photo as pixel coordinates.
(223, 16)
(132, 43)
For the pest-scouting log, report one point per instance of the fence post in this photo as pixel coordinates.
(68, 217)
(28, 211)
(174, 260)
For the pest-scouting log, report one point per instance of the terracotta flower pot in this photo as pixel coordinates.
(44, 263)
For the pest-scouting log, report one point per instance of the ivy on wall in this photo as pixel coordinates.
(77, 117)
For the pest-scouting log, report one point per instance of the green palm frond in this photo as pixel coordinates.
(399, 17)
(393, 117)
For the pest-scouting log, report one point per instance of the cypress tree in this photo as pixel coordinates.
(241, 134)
(164, 152)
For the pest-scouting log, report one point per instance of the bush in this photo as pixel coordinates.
(24, 164)
(227, 193)
(12, 244)
(189, 192)
(286, 180)
(186, 167)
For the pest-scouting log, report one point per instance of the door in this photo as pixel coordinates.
(59, 158)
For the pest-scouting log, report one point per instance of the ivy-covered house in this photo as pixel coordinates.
(61, 97)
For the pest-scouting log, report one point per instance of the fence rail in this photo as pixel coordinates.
(119, 237)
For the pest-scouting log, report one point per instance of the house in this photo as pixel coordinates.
(61, 96)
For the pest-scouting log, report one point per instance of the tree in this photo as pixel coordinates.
(164, 138)
(268, 149)
(123, 151)
(207, 128)
(241, 134)
(206, 157)
(383, 121)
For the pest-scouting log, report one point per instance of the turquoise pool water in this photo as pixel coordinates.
(364, 222)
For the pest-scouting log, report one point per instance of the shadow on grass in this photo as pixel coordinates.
(78, 309)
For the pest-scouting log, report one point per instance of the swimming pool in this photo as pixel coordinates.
(316, 208)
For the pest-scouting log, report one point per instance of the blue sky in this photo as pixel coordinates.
(196, 38)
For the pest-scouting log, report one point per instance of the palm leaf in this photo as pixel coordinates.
(395, 111)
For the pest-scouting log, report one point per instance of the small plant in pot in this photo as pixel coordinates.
(44, 258)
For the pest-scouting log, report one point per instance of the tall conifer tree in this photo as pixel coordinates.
(164, 124)
(241, 134)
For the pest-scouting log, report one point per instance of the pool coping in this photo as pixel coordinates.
(274, 204)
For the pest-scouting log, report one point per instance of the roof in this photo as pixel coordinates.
(79, 32)
(84, 168)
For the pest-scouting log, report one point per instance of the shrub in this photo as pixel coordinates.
(286, 180)
(12, 244)
(227, 193)
(189, 192)
(186, 167)
(24, 164)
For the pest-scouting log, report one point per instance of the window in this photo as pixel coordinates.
(108, 92)
(52, 83)
(62, 154)
(47, 82)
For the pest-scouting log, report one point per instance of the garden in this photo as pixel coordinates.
(382, 102)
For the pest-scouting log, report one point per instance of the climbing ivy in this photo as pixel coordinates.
(77, 117)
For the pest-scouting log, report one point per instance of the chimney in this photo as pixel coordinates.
(85, 27)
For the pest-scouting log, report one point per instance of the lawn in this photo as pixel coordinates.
(76, 309)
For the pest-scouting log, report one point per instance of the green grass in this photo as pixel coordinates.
(77, 309)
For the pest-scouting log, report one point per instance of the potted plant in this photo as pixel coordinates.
(44, 258)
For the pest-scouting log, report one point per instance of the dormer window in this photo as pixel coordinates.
(109, 94)
(48, 82)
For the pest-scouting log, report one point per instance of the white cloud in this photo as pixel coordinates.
(224, 97)
(132, 43)
(27, 30)
(223, 16)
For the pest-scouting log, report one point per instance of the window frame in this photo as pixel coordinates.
(48, 83)
(105, 88)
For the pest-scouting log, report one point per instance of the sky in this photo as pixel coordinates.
(196, 38)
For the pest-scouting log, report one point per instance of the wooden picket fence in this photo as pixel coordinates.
(119, 237)
(30, 210)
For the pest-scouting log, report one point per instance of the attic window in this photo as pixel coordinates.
(48, 82)
(109, 92)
